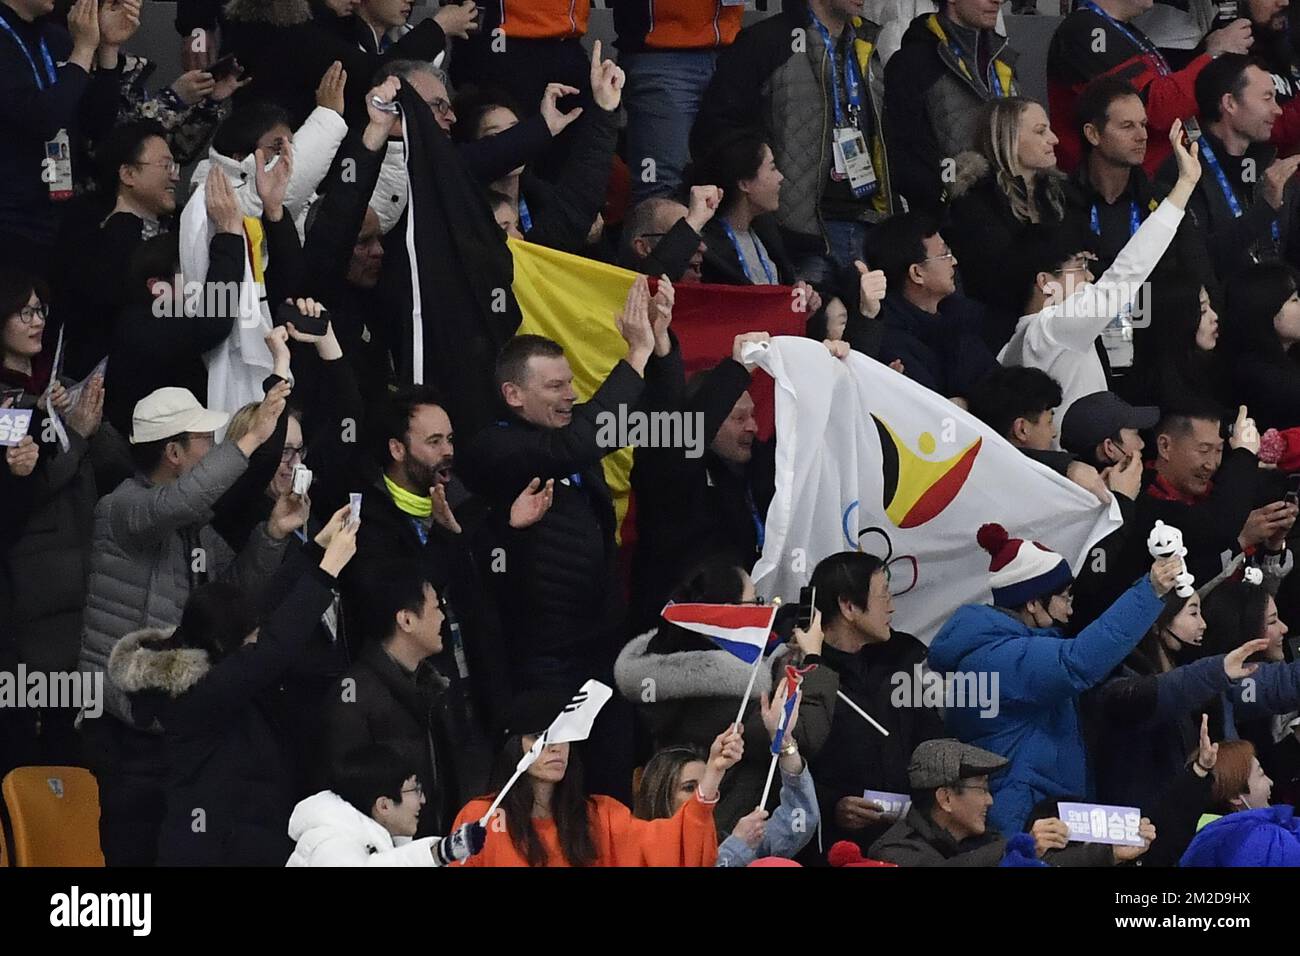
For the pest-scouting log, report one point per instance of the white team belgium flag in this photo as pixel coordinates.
(867, 459)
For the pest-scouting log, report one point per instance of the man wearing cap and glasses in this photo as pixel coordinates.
(946, 824)
(153, 545)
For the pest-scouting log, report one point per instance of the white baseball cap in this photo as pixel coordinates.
(169, 412)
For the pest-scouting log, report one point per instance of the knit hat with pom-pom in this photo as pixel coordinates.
(1021, 570)
(844, 853)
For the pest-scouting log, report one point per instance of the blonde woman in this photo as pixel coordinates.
(1008, 182)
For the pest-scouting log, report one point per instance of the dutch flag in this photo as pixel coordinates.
(744, 630)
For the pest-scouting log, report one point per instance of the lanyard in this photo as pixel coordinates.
(995, 81)
(1162, 67)
(852, 83)
(1234, 206)
(744, 266)
(525, 217)
(51, 75)
(421, 531)
(1134, 220)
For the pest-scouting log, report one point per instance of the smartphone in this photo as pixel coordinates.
(288, 312)
(1192, 128)
(223, 67)
(1226, 13)
(14, 394)
(1292, 495)
(807, 602)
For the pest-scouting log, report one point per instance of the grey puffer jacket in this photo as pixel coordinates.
(776, 78)
(152, 545)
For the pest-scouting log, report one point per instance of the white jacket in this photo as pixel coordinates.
(1060, 339)
(330, 831)
(238, 366)
(314, 144)
(392, 189)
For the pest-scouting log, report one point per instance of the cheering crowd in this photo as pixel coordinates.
(335, 535)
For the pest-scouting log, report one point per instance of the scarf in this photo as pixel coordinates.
(417, 506)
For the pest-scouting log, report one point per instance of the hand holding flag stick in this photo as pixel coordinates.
(572, 724)
(727, 749)
(780, 718)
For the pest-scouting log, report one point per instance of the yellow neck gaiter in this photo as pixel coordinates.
(417, 506)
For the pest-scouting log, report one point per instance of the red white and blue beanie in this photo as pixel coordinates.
(1021, 570)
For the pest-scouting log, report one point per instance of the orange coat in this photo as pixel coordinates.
(686, 839)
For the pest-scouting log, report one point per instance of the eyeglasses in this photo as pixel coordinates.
(1085, 263)
(291, 452)
(30, 313)
(440, 106)
(946, 255)
(418, 790)
(173, 168)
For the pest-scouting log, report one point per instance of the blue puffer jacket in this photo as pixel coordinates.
(1040, 675)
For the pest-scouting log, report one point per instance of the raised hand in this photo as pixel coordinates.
(223, 208)
(329, 93)
(86, 414)
(288, 515)
(871, 289)
(337, 520)
(458, 19)
(442, 514)
(273, 183)
(739, 342)
(704, 203)
(634, 323)
(224, 88)
(532, 504)
(382, 121)
(1189, 167)
(1163, 573)
(83, 24)
(664, 298)
(118, 21)
(556, 121)
(340, 550)
(606, 81)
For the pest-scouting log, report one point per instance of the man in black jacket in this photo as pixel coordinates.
(949, 65)
(394, 695)
(408, 512)
(691, 506)
(1246, 206)
(872, 661)
(566, 615)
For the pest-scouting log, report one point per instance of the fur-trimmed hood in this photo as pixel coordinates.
(683, 675)
(971, 168)
(276, 13)
(146, 660)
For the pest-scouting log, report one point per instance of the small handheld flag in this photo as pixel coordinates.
(793, 679)
(744, 630)
(572, 724)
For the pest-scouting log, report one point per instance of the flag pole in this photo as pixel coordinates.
(749, 688)
(771, 767)
(519, 772)
(861, 713)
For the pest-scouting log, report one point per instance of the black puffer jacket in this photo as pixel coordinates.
(225, 755)
(380, 702)
(561, 571)
(856, 757)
